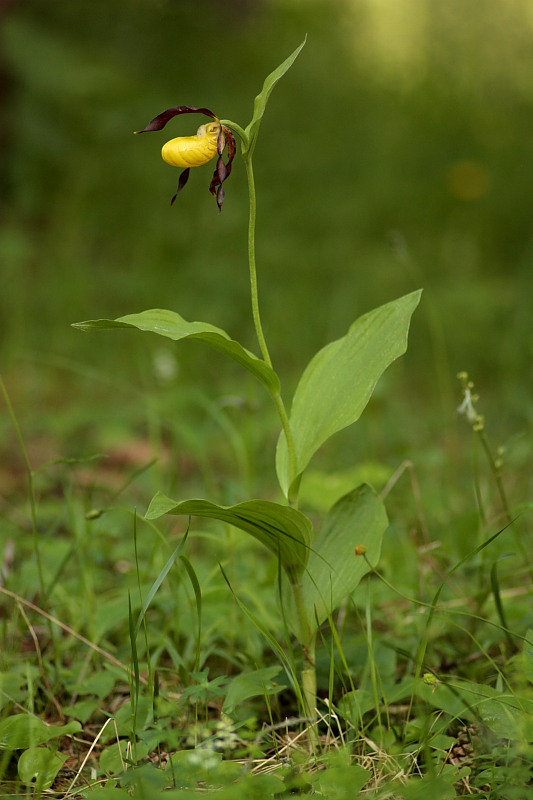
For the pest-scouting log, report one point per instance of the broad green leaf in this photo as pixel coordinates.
(339, 380)
(334, 570)
(251, 684)
(130, 716)
(189, 767)
(82, 710)
(12, 687)
(320, 489)
(259, 786)
(525, 660)
(355, 704)
(112, 793)
(113, 758)
(342, 783)
(100, 683)
(261, 100)
(173, 326)
(146, 780)
(284, 530)
(22, 731)
(507, 715)
(40, 766)
(440, 785)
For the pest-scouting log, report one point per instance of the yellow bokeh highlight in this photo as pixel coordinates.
(468, 180)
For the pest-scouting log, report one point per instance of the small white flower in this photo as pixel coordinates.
(466, 408)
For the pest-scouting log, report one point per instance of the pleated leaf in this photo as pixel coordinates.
(334, 570)
(284, 530)
(173, 326)
(339, 380)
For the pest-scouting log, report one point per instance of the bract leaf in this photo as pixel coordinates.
(173, 326)
(284, 530)
(334, 570)
(261, 100)
(339, 380)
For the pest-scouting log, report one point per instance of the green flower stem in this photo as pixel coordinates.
(238, 130)
(307, 635)
(251, 260)
(278, 400)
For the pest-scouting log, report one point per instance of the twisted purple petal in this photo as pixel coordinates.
(184, 177)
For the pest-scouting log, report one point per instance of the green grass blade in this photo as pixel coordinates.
(198, 597)
(135, 667)
(495, 585)
(278, 649)
(158, 581)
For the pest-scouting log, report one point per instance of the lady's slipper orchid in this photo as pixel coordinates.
(194, 151)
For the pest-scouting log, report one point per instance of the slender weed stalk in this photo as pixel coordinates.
(31, 485)
(477, 421)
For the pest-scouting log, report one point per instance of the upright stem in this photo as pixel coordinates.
(308, 641)
(309, 689)
(276, 396)
(308, 637)
(251, 261)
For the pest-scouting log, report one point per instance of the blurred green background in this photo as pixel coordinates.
(396, 154)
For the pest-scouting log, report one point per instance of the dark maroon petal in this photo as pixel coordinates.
(184, 177)
(215, 180)
(222, 171)
(232, 149)
(161, 120)
(221, 141)
(215, 183)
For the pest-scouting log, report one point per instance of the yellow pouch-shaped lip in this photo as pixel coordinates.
(193, 151)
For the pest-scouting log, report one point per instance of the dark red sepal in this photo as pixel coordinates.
(159, 122)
